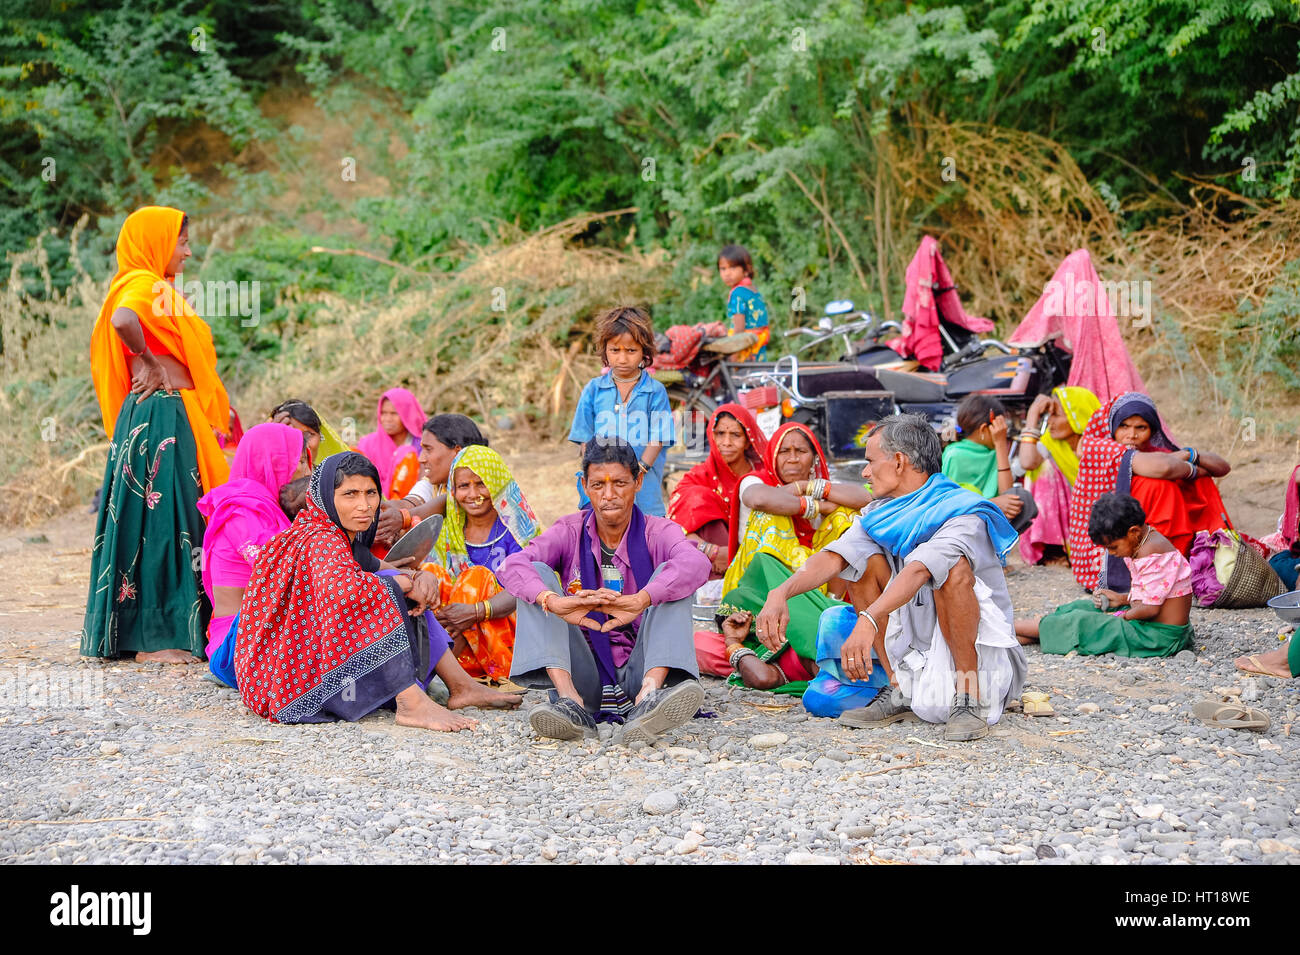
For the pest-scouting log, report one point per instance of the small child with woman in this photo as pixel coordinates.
(625, 402)
(980, 460)
(746, 310)
(1151, 620)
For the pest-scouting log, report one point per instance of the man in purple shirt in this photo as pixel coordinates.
(604, 604)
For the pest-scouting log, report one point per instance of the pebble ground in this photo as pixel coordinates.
(165, 766)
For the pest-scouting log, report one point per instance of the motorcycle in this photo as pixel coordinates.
(837, 400)
(1015, 375)
(866, 380)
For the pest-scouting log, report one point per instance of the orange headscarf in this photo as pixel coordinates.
(144, 248)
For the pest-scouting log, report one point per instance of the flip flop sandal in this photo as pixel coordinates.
(1037, 704)
(1253, 660)
(1231, 716)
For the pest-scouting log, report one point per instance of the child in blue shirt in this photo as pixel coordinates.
(625, 402)
(746, 310)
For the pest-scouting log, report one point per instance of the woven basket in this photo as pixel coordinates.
(1253, 582)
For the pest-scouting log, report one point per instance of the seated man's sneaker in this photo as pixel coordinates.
(561, 718)
(662, 710)
(888, 707)
(965, 721)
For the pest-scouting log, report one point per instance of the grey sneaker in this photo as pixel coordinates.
(561, 718)
(662, 710)
(886, 708)
(965, 722)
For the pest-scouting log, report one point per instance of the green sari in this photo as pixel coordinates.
(764, 574)
(145, 591)
(1080, 626)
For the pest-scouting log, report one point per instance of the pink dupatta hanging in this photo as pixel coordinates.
(922, 307)
(1075, 311)
(244, 513)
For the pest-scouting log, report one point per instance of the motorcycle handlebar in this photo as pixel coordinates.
(835, 330)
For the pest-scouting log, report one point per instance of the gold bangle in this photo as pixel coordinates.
(487, 610)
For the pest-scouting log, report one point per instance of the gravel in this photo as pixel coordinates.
(168, 767)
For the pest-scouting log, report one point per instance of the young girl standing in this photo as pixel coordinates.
(625, 402)
(746, 310)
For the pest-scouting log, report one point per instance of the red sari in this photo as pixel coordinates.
(1175, 508)
(319, 638)
(803, 527)
(705, 493)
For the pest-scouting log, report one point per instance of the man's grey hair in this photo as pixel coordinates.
(911, 436)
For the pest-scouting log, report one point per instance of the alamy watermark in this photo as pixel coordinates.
(127, 909)
(1079, 298)
(213, 299)
(52, 688)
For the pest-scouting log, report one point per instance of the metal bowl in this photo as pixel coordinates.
(1287, 606)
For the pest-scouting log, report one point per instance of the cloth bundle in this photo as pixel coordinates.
(1229, 572)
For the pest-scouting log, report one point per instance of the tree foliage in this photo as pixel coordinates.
(771, 122)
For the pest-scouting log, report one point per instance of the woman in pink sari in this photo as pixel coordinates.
(243, 514)
(394, 446)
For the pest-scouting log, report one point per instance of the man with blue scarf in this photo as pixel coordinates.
(933, 552)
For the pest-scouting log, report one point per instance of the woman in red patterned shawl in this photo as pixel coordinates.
(1125, 449)
(702, 501)
(322, 637)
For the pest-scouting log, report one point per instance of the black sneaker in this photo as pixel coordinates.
(662, 710)
(561, 718)
(965, 721)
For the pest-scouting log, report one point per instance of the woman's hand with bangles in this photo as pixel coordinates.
(736, 627)
(719, 559)
(151, 376)
(426, 588)
(1041, 406)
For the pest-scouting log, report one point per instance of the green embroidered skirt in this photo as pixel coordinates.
(145, 590)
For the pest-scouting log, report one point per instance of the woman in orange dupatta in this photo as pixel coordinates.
(154, 368)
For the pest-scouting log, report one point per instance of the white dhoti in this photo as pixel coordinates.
(916, 647)
(924, 669)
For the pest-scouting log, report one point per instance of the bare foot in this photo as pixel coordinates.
(166, 656)
(475, 694)
(414, 708)
(1274, 663)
